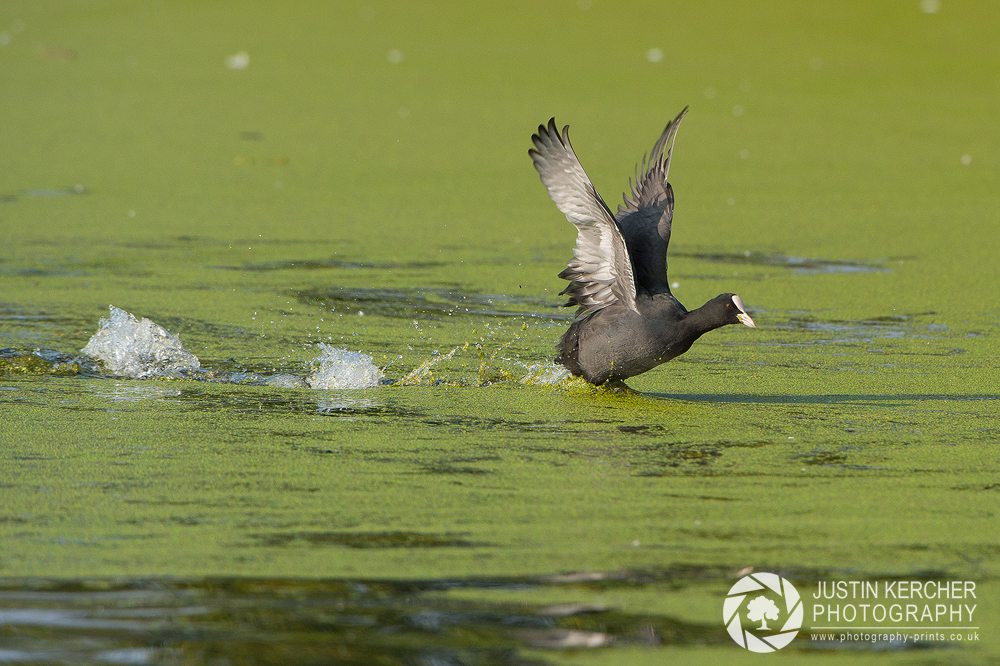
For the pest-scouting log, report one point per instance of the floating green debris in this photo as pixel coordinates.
(37, 363)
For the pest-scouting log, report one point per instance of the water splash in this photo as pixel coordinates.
(424, 373)
(342, 369)
(502, 369)
(134, 349)
(138, 349)
(545, 374)
(492, 368)
(286, 380)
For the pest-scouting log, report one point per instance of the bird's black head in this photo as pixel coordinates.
(732, 309)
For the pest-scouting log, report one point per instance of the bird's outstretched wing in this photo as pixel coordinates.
(646, 216)
(650, 186)
(600, 272)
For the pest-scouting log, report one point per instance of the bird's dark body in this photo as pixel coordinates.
(628, 322)
(616, 343)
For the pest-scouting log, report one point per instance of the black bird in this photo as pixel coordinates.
(628, 322)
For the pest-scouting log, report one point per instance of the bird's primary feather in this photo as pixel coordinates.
(600, 272)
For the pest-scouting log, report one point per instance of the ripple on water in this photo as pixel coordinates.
(366, 539)
(478, 622)
(432, 303)
(307, 264)
(801, 265)
(346, 405)
(136, 392)
(899, 327)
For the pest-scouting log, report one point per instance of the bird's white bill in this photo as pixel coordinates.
(746, 320)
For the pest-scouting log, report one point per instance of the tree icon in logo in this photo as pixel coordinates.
(762, 608)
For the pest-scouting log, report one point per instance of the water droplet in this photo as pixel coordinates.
(395, 56)
(930, 6)
(654, 55)
(966, 160)
(737, 110)
(816, 63)
(238, 60)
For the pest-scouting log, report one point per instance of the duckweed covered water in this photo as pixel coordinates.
(259, 180)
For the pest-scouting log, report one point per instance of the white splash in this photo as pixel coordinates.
(138, 349)
(545, 374)
(343, 369)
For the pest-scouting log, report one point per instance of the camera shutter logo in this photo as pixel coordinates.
(759, 608)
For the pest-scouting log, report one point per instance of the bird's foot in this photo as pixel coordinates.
(618, 386)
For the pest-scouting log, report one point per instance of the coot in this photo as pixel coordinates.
(627, 320)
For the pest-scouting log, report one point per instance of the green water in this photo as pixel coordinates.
(837, 171)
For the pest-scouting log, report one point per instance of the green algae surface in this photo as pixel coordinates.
(260, 178)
